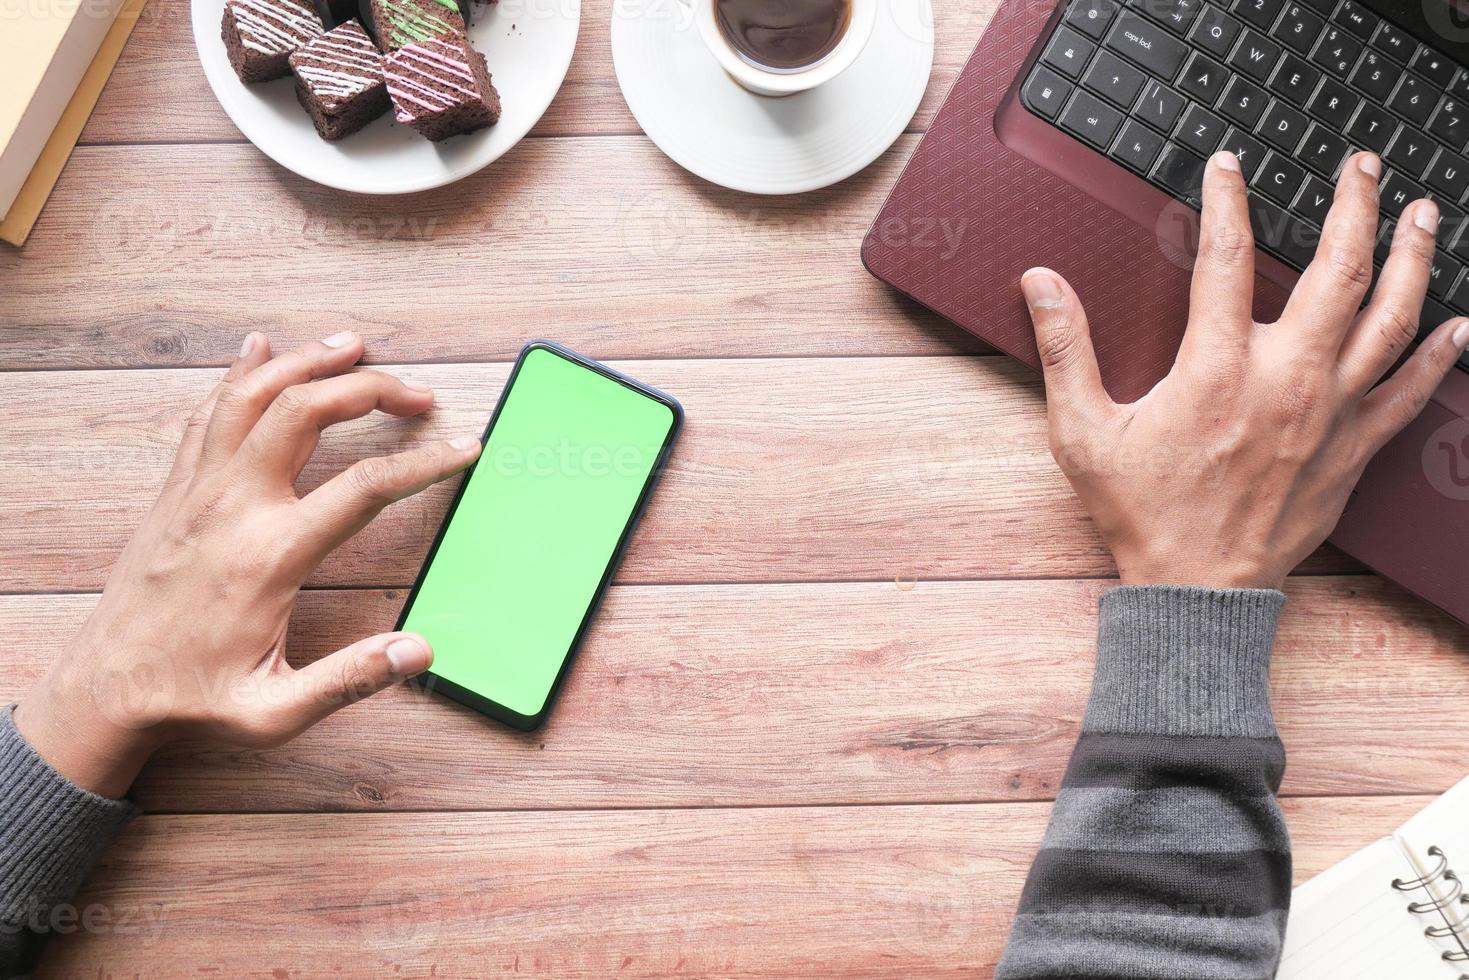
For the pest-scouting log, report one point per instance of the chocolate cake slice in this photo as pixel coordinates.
(259, 35)
(394, 23)
(339, 81)
(441, 87)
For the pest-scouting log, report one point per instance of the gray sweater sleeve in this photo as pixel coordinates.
(1166, 855)
(51, 831)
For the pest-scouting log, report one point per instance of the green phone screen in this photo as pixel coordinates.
(538, 523)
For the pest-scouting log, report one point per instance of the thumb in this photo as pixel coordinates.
(353, 673)
(1064, 340)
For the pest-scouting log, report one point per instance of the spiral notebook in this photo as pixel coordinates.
(1394, 910)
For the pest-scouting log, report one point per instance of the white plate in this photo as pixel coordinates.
(527, 45)
(711, 126)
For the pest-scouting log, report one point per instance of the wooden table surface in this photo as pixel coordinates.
(818, 724)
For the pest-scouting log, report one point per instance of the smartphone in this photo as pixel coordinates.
(536, 530)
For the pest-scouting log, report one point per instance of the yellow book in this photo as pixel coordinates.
(33, 193)
(45, 48)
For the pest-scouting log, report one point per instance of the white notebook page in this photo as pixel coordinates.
(1443, 824)
(1349, 923)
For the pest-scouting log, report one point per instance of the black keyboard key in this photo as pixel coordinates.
(1433, 314)
(1243, 101)
(1398, 192)
(1145, 43)
(1375, 75)
(1068, 52)
(1384, 240)
(1393, 42)
(1458, 298)
(1203, 78)
(1287, 236)
(1457, 243)
(1159, 106)
(1433, 66)
(1450, 220)
(1175, 15)
(1261, 13)
(1091, 17)
(1255, 56)
(1372, 128)
(1298, 27)
(1045, 91)
(1248, 150)
(1137, 146)
(1450, 122)
(1410, 152)
(1337, 51)
(1091, 119)
(1413, 99)
(1443, 275)
(1448, 174)
(1355, 18)
(1294, 79)
(1333, 103)
(1314, 200)
(1180, 172)
(1282, 127)
(1215, 31)
(1322, 150)
(1200, 130)
(1459, 87)
(1279, 178)
(1114, 79)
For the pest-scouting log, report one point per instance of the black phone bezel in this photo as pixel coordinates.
(434, 683)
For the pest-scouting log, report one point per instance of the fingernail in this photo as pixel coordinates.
(465, 443)
(1225, 160)
(248, 345)
(340, 339)
(1461, 335)
(1371, 165)
(1425, 216)
(407, 657)
(1042, 291)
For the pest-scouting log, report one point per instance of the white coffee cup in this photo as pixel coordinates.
(771, 81)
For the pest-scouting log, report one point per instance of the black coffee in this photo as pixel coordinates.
(785, 35)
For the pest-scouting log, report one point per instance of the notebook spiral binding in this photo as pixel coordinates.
(1455, 900)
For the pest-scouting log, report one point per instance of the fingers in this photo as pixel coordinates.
(1390, 406)
(1073, 379)
(1390, 322)
(346, 503)
(348, 676)
(1331, 289)
(280, 445)
(242, 402)
(1222, 299)
(254, 351)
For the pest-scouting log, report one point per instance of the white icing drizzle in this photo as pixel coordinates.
(409, 61)
(349, 50)
(273, 26)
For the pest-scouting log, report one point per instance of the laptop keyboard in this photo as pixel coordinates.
(1292, 89)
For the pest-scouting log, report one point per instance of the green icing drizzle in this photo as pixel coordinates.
(408, 23)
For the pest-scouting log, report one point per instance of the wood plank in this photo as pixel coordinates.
(168, 255)
(861, 693)
(161, 69)
(852, 892)
(789, 470)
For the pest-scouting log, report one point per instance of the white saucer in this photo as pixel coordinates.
(712, 127)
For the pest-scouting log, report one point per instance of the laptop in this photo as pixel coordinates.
(1075, 138)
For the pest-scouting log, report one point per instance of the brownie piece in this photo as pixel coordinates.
(441, 87)
(339, 81)
(394, 23)
(334, 13)
(259, 35)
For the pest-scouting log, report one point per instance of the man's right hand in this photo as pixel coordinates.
(1238, 463)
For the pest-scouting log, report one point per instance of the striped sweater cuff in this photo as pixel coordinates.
(51, 830)
(1183, 660)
